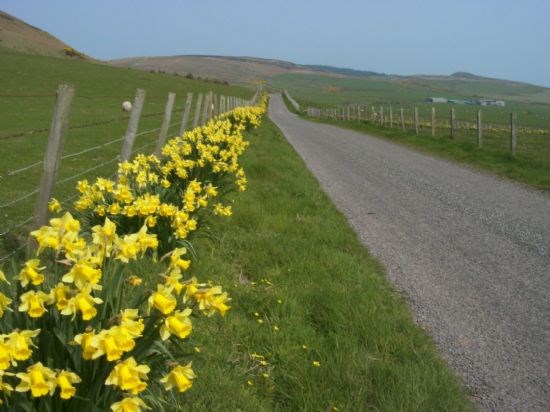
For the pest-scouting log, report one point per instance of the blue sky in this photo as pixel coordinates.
(505, 39)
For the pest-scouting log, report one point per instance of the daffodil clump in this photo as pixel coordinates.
(80, 328)
(173, 193)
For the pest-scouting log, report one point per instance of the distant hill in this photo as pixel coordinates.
(244, 70)
(345, 71)
(231, 69)
(18, 35)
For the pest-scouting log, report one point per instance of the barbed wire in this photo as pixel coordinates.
(68, 179)
(74, 127)
(19, 199)
(33, 192)
(6, 257)
(90, 149)
(17, 226)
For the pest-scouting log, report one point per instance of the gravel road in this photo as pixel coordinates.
(471, 253)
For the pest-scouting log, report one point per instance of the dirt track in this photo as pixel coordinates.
(471, 252)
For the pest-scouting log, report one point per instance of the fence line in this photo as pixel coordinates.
(354, 113)
(212, 105)
(293, 102)
(12, 253)
(17, 226)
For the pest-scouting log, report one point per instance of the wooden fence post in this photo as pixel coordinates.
(382, 116)
(479, 130)
(513, 119)
(391, 117)
(165, 123)
(402, 120)
(186, 111)
(416, 119)
(222, 104)
(131, 130)
(59, 125)
(373, 114)
(197, 116)
(214, 106)
(433, 121)
(207, 110)
(453, 124)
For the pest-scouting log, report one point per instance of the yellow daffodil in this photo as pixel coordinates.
(163, 300)
(65, 381)
(129, 376)
(177, 261)
(181, 377)
(31, 273)
(38, 379)
(4, 386)
(147, 240)
(83, 273)
(222, 210)
(127, 248)
(54, 206)
(4, 304)
(173, 281)
(84, 302)
(19, 343)
(66, 223)
(86, 342)
(177, 324)
(46, 237)
(211, 300)
(105, 235)
(131, 322)
(34, 303)
(105, 344)
(5, 358)
(60, 294)
(129, 404)
(134, 280)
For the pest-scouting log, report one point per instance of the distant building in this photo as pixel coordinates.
(491, 102)
(437, 99)
(457, 101)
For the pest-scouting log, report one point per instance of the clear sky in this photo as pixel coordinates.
(507, 39)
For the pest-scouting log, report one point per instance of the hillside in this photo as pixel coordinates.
(231, 69)
(18, 35)
(315, 78)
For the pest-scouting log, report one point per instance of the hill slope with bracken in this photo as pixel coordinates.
(18, 35)
(230, 69)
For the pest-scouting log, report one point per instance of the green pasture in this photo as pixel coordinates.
(531, 103)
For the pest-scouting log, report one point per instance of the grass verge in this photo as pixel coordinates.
(314, 325)
(529, 166)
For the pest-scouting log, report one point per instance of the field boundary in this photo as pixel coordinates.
(208, 105)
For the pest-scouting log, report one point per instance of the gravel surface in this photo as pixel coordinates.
(471, 253)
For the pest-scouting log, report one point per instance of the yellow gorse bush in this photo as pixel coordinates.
(81, 330)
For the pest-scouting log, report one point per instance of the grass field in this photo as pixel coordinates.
(305, 291)
(531, 103)
(28, 84)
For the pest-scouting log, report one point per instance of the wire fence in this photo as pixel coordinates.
(12, 240)
(528, 142)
